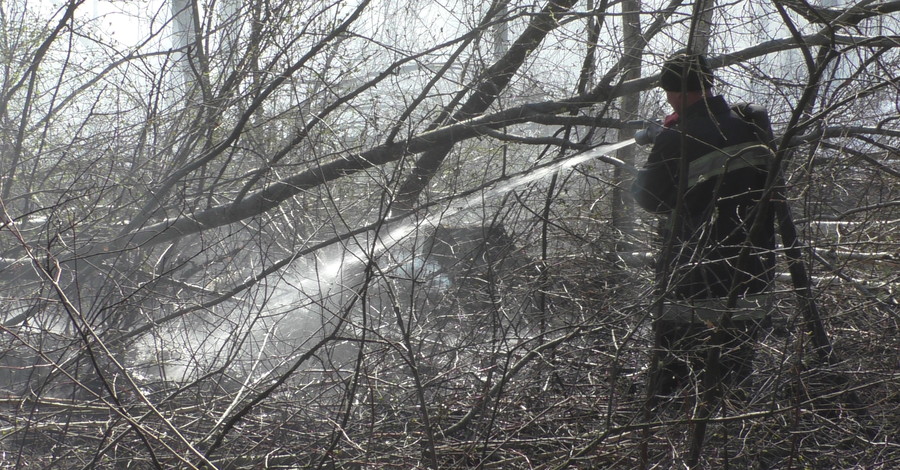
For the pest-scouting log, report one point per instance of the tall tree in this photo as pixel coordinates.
(623, 214)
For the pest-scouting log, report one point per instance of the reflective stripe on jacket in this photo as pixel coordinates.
(722, 161)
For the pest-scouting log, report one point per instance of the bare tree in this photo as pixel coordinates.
(316, 234)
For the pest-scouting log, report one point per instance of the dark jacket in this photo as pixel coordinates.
(718, 211)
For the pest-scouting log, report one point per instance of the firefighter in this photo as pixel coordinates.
(705, 177)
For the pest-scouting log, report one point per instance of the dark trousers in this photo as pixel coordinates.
(682, 351)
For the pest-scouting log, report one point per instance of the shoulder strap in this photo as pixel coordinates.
(756, 154)
(758, 117)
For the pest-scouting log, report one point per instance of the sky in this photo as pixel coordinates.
(125, 22)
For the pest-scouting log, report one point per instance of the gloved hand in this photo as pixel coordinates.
(647, 135)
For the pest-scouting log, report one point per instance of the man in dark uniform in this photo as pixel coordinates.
(705, 176)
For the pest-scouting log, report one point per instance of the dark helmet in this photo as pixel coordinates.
(686, 72)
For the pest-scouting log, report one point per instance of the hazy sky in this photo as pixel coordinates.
(125, 22)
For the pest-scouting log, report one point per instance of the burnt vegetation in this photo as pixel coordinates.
(256, 234)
